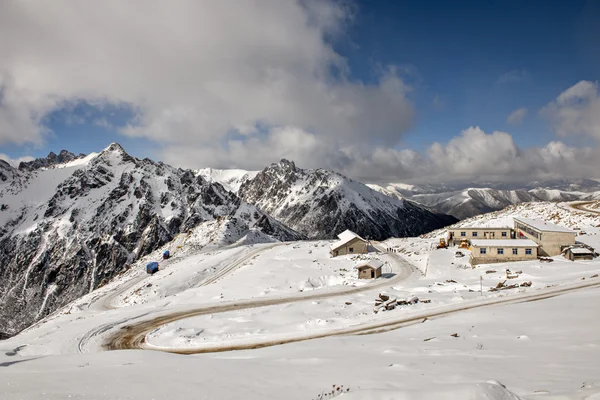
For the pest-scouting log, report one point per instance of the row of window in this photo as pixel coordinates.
(474, 234)
(530, 231)
(483, 250)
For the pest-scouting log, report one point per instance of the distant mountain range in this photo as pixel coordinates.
(468, 202)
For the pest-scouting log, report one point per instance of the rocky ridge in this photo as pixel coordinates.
(66, 229)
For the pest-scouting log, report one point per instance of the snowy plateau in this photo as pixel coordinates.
(251, 305)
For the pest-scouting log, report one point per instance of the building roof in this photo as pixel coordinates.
(482, 228)
(375, 264)
(345, 237)
(581, 250)
(543, 225)
(504, 243)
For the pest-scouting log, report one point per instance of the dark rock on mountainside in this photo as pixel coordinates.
(52, 159)
(66, 231)
(321, 204)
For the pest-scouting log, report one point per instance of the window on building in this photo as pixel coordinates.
(503, 234)
(515, 251)
(351, 249)
(500, 251)
(474, 234)
(463, 234)
(528, 251)
(482, 250)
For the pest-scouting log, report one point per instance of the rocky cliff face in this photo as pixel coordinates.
(321, 204)
(68, 229)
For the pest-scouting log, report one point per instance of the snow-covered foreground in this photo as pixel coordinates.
(285, 293)
(532, 348)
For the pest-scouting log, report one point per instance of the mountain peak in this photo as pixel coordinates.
(286, 165)
(115, 147)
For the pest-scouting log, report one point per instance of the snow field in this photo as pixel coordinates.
(538, 350)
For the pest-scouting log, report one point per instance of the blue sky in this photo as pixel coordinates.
(483, 59)
(201, 94)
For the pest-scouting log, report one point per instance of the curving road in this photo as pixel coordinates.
(131, 333)
(579, 206)
(133, 336)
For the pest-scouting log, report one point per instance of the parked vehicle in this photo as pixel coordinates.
(166, 255)
(152, 267)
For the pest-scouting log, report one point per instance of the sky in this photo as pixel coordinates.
(382, 91)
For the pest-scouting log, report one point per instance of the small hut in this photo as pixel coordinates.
(579, 253)
(370, 269)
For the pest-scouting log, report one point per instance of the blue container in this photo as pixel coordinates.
(166, 255)
(152, 267)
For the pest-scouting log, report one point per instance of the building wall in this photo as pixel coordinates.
(492, 255)
(482, 233)
(551, 243)
(574, 257)
(358, 246)
(365, 273)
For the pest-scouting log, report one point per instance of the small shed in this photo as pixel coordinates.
(579, 253)
(370, 269)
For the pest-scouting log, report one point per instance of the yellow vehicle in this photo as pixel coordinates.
(442, 244)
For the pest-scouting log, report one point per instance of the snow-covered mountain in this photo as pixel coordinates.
(321, 204)
(68, 225)
(474, 201)
(464, 202)
(231, 179)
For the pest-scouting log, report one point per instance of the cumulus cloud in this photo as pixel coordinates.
(196, 73)
(478, 157)
(576, 111)
(471, 156)
(15, 161)
(517, 116)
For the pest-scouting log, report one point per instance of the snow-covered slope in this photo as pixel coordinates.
(474, 201)
(231, 179)
(321, 204)
(68, 228)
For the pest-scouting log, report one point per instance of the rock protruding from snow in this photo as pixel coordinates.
(68, 230)
(321, 204)
(7, 172)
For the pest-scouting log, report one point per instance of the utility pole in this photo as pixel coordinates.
(481, 284)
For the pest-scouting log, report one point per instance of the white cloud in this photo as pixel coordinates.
(576, 111)
(15, 161)
(195, 71)
(471, 156)
(515, 75)
(517, 116)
